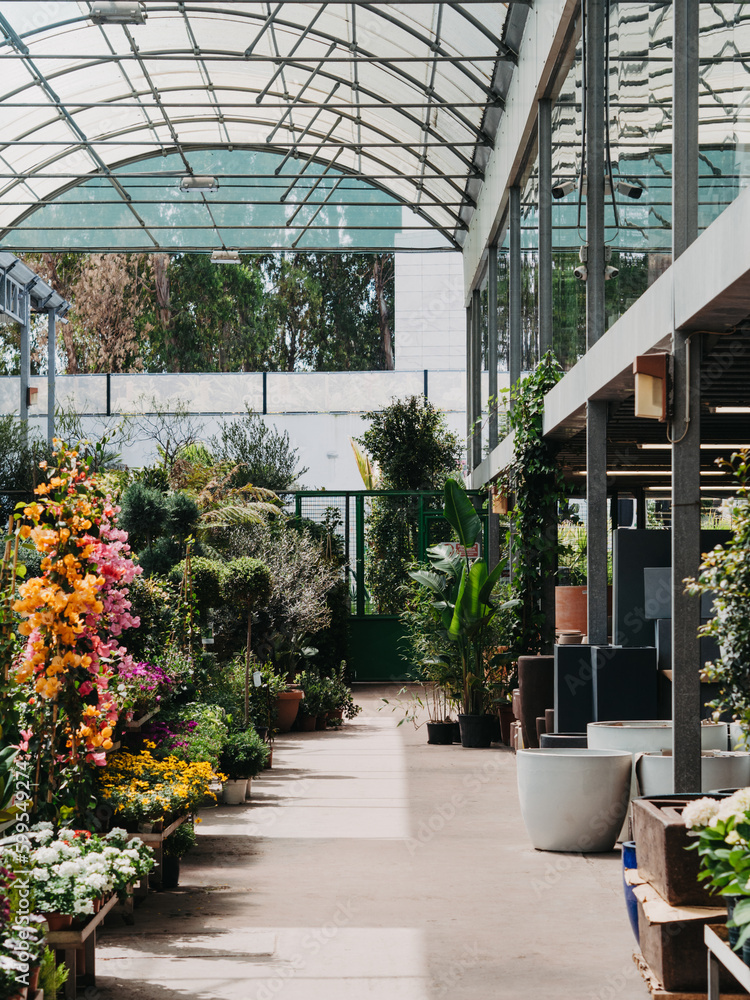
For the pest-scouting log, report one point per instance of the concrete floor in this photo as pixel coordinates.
(370, 865)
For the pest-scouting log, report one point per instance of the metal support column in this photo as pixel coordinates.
(545, 225)
(476, 378)
(51, 365)
(359, 551)
(686, 760)
(492, 342)
(469, 388)
(25, 367)
(514, 286)
(596, 411)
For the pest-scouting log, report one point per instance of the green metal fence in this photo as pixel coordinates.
(377, 651)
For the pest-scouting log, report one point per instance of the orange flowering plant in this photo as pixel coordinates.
(72, 616)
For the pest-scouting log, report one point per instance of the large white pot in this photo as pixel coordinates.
(234, 791)
(726, 770)
(573, 800)
(650, 736)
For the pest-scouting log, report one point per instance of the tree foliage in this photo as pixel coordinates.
(180, 313)
(415, 451)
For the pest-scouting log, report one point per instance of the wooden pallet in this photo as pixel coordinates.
(657, 991)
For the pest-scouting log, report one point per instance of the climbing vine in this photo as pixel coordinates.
(539, 487)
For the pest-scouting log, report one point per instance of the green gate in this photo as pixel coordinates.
(377, 648)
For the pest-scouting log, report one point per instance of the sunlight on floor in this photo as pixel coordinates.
(332, 961)
(329, 785)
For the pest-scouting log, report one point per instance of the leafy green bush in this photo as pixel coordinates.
(244, 755)
(262, 456)
(206, 580)
(200, 732)
(144, 513)
(155, 604)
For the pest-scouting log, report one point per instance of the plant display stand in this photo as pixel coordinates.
(136, 725)
(721, 955)
(657, 991)
(156, 842)
(79, 947)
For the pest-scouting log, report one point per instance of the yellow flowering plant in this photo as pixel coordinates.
(141, 787)
(72, 616)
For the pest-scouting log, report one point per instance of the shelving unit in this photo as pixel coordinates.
(80, 950)
(719, 953)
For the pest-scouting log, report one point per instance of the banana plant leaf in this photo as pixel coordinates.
(460, 514)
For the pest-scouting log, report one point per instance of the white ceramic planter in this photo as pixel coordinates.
(247, 789)
(234, 791)
(574, 800)
(726, 770)
(649, 737)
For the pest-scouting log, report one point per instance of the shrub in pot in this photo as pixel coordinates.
(175, 846)
(314, 695)
(246, 583)
(244, 756)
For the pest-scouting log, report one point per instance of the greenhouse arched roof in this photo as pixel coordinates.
(251, 126)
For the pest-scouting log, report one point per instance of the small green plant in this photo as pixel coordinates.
(181, 841)
(52, 977)
(244, 755)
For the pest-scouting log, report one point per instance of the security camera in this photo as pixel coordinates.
(610, 272)
(629, 190)
(581, 272)
(560, 190)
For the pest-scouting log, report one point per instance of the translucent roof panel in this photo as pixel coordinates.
(327, 125)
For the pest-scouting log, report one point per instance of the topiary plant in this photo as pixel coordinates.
(143, 513)
(246, 583)
(205, 579)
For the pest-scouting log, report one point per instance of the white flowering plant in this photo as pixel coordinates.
(722, 827)
(71, 869)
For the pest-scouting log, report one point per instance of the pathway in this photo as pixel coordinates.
(371, 866)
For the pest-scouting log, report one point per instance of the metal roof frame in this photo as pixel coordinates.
(413, 124)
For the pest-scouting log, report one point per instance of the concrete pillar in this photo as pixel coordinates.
(469, 392)
(476, 377)
(51, 365)
(596, 411)
(685, 429)
(492, 342)
(545, 225)
(514, 285)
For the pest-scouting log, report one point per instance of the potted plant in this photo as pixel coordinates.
(175, 846)
(244, 756)
(462, 592)
(341, 697)
(311, 706)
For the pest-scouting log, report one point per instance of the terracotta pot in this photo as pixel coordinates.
(33, 980)
(59, 921)
(287, 706)
(97, 904)
(571, 614)
(321, 722)
(306, 723)
(505, 715)
(335, 713)
(536, 682)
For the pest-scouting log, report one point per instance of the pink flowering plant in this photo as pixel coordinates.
(142, 686)
(722, 827)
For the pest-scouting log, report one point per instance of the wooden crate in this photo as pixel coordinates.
(661, 842)
(657, 991)
(672, 943)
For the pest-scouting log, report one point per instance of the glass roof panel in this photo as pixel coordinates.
(383, 101)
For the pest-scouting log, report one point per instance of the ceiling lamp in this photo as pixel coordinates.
(225, 257)
(117, 12)
(195, 182)
(729, 409)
